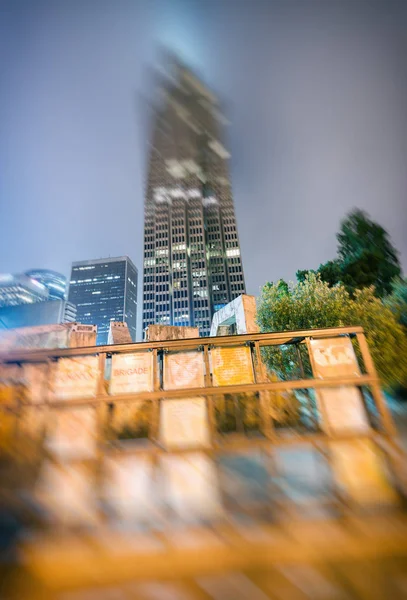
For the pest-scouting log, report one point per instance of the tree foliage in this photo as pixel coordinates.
(397, 300)
(366, 257)
(313, 303)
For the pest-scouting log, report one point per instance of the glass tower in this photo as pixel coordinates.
(53, 281)
(192, 262)
(105, 290)
(21, 289)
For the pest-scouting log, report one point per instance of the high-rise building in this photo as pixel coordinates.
(21, 289)
(53, 281)
(192, 262)
(105, 290)
(46, 312)
(34, 298)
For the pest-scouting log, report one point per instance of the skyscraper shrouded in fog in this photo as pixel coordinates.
(192, 262)
(105, 290)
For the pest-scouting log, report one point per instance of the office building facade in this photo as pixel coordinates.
(105, 290)
(192, 262)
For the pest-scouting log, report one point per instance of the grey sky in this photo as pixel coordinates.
(316, 93)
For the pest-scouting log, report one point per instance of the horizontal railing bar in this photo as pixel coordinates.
(53, 558)
(232, 443)
(272, 386)
(38, 355)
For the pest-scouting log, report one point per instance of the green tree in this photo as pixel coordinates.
(386, 337)
(366, 257)
(331, 272)
(301, 274)
(313, 303)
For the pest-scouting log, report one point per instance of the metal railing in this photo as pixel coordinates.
(56, 564)
(261, 384)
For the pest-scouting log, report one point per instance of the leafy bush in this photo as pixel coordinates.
(313, 303)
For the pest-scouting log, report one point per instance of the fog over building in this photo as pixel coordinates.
(192, 262)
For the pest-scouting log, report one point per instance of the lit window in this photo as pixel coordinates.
(194, 193)
(233, 252)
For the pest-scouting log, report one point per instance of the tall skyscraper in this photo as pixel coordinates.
(105, 290)
(192, 263)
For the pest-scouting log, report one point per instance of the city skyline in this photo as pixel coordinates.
(316, 97)
(192, 259)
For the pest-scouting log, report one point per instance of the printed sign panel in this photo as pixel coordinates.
(32, 422)
(8, 423)
(128, 488)
(245, 477)
(184, 423)
(334, 357)
(72, 433)
(183, 370)
(66, 492)
(6, 394)
(10, 374)
(130, 420)
(29, 381)
(36, 382)
(341, 409)
(76, 377)
(191, 486)
(303, 475)
(232, 366)
(344, 410)
(359, 469)
(132, 373)
(10, 380)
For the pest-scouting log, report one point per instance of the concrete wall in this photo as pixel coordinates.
(239, 316)
(119, 333)
(155, 333)
(65, 335)
(82, 336)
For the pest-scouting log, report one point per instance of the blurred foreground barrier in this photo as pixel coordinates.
(195, 460)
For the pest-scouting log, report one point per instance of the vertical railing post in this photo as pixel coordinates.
(264, 397)
(101, 391)
(376, 391)
(307, 392)
(154, 435)
(101, 408)
(209, 399)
